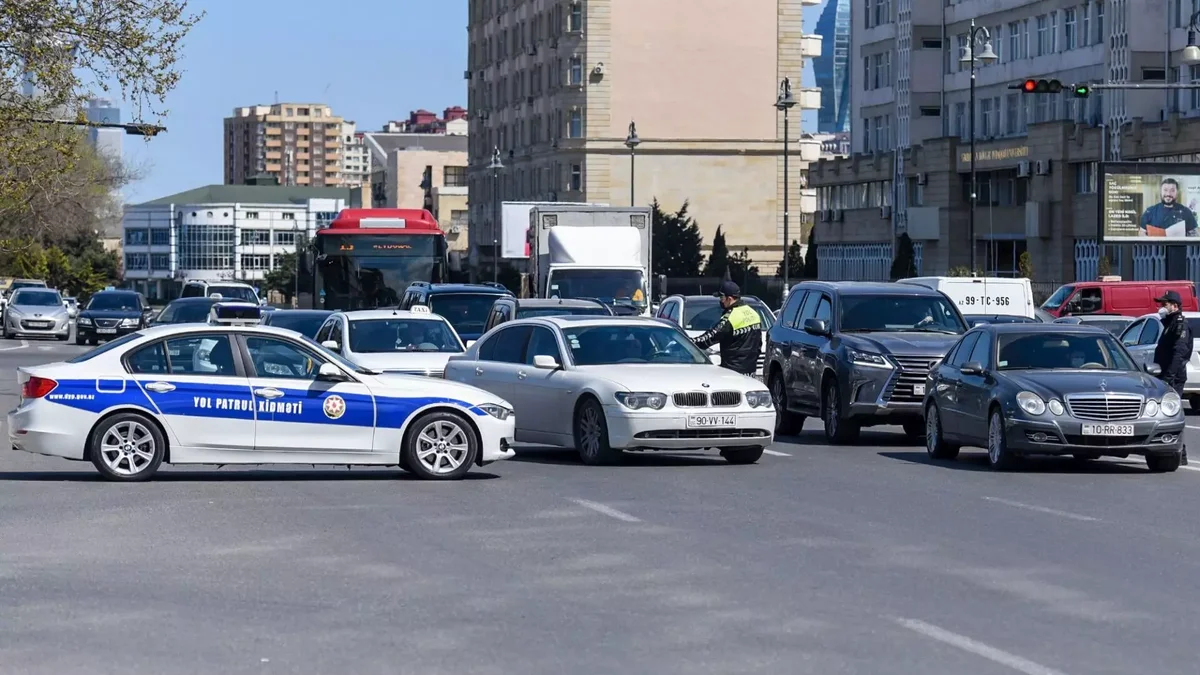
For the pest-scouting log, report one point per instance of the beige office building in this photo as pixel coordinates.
(555, 84)
(297, 143)
(422, 170)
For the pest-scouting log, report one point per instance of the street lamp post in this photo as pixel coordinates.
(784, 101)
(979, 36)
(495, 166)
(631, 142)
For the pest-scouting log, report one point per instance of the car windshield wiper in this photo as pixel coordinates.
(923, 329)
(367, 371)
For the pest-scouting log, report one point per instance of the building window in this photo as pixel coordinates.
(960, 45)
(867, 80)
(454, 176)
(1085, 25)
(575, 18)
(575, 74)
(256, 262)
(136, 237)
(1099, 23)
(289, 216)
(1012, 115)
(459, 219)
(160, 237)
(960, 120)
(1085, 178)
(252, 215)
(1069, 27)
(1053, 32)
(253, 237)
(866, 134)
(576, 177)
(160, 261)
(136, 261)
(575, 124)
(985, 117)
(285, 238)
(1043, 35)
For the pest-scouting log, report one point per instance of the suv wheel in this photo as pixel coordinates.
(787, 423)
(838, 429)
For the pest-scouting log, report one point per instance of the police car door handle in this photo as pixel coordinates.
(521, 375)
(268, 393)
(160, 387)
(479, 371)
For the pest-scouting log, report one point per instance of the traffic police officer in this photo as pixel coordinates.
(1174, 348)
(738, 332)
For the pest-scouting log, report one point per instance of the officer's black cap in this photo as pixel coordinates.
(1171, 297)
(730, 290)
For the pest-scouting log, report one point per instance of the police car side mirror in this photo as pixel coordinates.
(330, 373)
(1154, 369)
(331, 345)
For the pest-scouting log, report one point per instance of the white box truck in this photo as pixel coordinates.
(984, 296)
(514, 226)
(591, 252)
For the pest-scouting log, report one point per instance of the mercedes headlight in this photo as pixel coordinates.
(1031, 403)
(496, 410)
(1152, 409)
(1056, 407)
(638, 400)
(1171, 404)
(867, 359)
(759, 399)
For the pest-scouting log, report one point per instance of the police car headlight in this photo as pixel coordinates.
(497, 411)
(128, 323)
(759, 399)
(1031, 403)
(84, 321)
(867, 359)
(638, 400)
(1171, 404)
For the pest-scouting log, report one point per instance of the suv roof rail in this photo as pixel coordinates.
(494, 284)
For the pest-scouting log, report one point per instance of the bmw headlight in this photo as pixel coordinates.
(867, 359)
(638, 400)
(84, 321)
(759, 399)
(1031, 403)
(1056, 407)
(496, 410)
(1171, 404)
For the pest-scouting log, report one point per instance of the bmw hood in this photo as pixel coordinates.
(404, 362)
(417, 386)
(933, 345)
(1060, 383)
(672, 378)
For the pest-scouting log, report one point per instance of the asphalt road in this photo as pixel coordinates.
(817, 560)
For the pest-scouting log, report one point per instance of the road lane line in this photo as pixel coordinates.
(776, 453)
(1129, 461)
(23, 345)
(607, 510)
(1012, 661)
(1193, 426)
(1043, 509)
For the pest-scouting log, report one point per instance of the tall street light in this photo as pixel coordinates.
(495, 166)
(631, 142)
(785, 101)
(981, 38)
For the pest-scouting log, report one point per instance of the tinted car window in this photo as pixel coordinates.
(37, 298)
(981, 352)
(899, 313)
(1133, 333)
(791, 310)
(273, 357)
(603, 345)
(148, 360)
(467, 312)
(508, 346)
(963, 351)
(542, 343)
(1049, 351)
(186, 312)
(201, 355)
(115, 302)
(1150, 333)
(301, 322)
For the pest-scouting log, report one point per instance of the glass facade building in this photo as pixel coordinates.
(832, 68)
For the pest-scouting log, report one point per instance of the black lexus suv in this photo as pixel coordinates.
(857, 354)
(111, 314)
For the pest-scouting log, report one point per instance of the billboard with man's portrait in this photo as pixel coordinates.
(1150, 203)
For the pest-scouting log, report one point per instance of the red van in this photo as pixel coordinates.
(1126, 298)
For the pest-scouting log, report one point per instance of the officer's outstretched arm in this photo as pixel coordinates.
(719, 332)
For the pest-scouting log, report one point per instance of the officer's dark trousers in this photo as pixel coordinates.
(1177, 383)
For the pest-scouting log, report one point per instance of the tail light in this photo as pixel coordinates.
(37, 387)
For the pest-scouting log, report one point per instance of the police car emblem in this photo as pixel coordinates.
(335, 407)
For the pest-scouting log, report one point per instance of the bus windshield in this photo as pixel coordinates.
(366, 271)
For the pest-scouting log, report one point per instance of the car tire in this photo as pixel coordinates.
(1164, 463)
(127, 448)
(935, 443)
(742, 455)
(914, 429)
(787, 423)
(999, 456)
(838, 430)
(80, 341)
(591, 435)
(439, 446)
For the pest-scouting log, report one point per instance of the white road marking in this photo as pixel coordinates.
(1043, 509)
(1193, 426)
(607, 510)
(1017, 663)
(776, 453)
(1129, 461)
(23, 345)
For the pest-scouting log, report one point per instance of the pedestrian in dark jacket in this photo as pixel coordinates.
(1174, 348)
(739, 332)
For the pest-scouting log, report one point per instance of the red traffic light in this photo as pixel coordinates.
(1030, 86)
(1041, 86)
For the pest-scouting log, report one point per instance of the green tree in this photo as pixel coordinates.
(718, 259)
(23, 258)
(1104, 268)
(1025, 265)
(795, 261)
(810, 256)
(963, 271)
(742, 270)
(282, 279)
(59, 273)
(904, 265)
(677, 243)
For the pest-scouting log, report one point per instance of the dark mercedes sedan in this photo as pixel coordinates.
(1050, 389)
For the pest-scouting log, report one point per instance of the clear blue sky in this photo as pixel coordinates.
(370, 60)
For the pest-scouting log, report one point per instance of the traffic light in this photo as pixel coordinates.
(1041, 86)
(1081, 91)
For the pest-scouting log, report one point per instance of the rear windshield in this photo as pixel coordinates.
(528, 312)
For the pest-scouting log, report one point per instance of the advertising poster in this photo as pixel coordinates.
(1150, 202)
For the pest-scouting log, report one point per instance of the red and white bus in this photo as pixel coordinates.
(366, 258)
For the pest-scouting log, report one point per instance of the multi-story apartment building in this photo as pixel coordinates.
(296, 143)
(555, 84)
(832, 68)
(222, 233)
(1036, 156)
(356, 159)
(453, 122)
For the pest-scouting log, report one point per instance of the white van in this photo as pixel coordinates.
(986, 296)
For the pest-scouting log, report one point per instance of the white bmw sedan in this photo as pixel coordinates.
(607, 384)
(220, 394)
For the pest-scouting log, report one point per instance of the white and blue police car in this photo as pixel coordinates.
(235, 392)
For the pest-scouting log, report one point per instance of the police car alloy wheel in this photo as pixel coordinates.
(440, 446)
(127, 447)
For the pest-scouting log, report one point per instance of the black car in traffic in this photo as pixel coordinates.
(111, 314)
(1050, 389)
(857, 354)
(186, 310)
(304, 321)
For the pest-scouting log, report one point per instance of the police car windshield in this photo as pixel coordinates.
(1057, 351)
(384, 336)
(37, 298)
(624, 343)
(114, 302)
(703, 314)
(467, 312)
(233, 293)
(899, 313)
